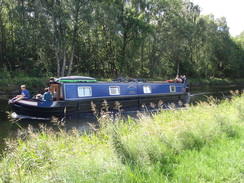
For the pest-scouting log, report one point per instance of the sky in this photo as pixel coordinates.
(232, 10)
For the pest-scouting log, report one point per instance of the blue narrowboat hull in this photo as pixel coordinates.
(76, 98)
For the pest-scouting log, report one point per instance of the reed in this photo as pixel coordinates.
(202, 143)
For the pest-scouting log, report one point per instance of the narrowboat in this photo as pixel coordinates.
(73, 95)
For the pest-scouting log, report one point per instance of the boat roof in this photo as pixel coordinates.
(85, 79)
(77, 79)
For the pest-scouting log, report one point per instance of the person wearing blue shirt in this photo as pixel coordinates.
(47, 96)
(25, 95)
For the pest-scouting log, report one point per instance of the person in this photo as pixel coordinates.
(177, 79)
(25, 95)
(39, 97)
(51, 81)
(47, 96)
(184, 82)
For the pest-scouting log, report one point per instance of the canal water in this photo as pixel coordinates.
(8, 128)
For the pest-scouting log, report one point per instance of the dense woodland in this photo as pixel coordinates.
(106, 38)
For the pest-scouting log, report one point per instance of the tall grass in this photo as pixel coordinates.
(198, 144)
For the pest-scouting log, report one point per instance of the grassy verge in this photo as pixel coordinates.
(199, 144)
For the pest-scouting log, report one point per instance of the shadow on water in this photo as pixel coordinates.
(9, 129)
(5, 125)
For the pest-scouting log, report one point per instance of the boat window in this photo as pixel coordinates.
(172, 88)
(114, 90)
(84, 91)
(147, 89)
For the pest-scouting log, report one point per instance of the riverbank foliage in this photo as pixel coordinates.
(147, 38)
(10, 83)
(214, 82)
(203, 143)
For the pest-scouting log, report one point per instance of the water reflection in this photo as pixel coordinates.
(220, 92)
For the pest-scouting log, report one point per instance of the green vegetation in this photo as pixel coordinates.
(146, 38)
(214, 82)
(11, 84)
(203, 143)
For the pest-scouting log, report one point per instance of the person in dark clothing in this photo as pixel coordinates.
(184, 82)
(52, 80)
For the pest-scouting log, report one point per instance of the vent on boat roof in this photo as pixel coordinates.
(77, 79)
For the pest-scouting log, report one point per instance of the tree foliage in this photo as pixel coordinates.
(146, 38)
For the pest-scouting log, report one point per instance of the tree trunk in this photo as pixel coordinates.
(2, 38)
(64, 61)
(56, 46)
(73, 42)
(123, 54)
(142, 56)
(153, 57)
(71, 59)
(58, 63)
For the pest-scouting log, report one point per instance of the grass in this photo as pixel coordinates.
(198, 144)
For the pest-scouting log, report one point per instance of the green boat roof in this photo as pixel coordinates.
(77, 79)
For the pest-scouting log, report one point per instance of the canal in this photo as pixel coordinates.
(10, 129)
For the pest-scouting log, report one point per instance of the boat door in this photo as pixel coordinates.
(56, 91)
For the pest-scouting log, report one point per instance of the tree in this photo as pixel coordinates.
(146, 38)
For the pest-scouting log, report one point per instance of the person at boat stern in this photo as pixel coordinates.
(25, 95)
(184, 82)
(47, 96)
